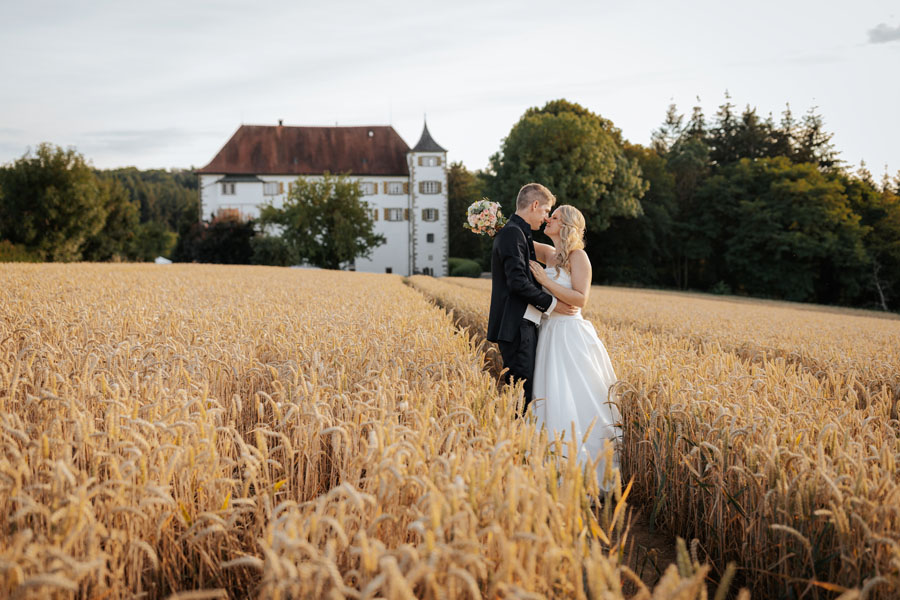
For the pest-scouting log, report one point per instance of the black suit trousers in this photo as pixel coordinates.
(518, 357)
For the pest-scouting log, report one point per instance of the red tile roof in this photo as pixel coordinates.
(282, 150)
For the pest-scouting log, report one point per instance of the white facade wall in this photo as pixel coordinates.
(249, 197)
(429, 256)
(394, 253)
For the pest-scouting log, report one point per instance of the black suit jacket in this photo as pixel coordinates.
(513, 286)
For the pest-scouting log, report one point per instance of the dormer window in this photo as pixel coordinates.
(228, 189)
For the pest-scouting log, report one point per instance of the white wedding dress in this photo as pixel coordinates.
(572, 379)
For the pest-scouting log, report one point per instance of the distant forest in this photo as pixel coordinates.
(738, 203)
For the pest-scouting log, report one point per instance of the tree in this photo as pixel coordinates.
(669, 132)
(167, 201)
(638, 250)
(813, 143)
(167, 197)
(116, 238)
(325, 221)
(783, 230)
(463, 188)
(272, 250)
(575, 153)
(51, 203)
(688, 163)
(879, 212)
(152, 239)
(225, 240)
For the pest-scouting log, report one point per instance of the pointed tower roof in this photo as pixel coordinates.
(427, 143)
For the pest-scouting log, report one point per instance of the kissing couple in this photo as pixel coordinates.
(537, 294)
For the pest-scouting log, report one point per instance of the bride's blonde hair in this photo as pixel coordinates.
(571, 235)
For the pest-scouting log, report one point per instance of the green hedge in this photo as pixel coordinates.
(10, 252)
(464, 267)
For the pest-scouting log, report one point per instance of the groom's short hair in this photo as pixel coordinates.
(531, 192)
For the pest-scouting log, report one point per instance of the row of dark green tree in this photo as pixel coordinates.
(55, 207)
(734, 204)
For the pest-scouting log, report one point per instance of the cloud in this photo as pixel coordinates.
(884, 33)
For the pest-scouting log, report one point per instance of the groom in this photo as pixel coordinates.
(517, 300)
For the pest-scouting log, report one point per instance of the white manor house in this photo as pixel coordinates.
(405, 188)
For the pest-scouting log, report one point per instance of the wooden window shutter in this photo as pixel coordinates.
(405, 187)
(439, 187)
(438, 161)
(421, 187)
(385, 187)
(424, 212)
(386, 215)
(280, 187)
(421, 160)
(375, 214)
(406, 214)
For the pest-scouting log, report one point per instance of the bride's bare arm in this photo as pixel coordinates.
(581, 280)
(544, 252)
(581, 274)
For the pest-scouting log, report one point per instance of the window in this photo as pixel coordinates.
(388, 270)
(429, 187)
(367, 188)
(429, 214)
(228, 189)
(272, 188)
(430, 239)
(393, 214)
(429, 161)
(395, 188)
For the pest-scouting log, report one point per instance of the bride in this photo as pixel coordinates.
(572, 370)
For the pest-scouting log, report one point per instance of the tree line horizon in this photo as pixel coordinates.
(734, 204)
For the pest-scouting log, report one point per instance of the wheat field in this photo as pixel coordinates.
(769, 432)
(195, 431)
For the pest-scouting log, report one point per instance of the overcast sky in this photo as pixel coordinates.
(166, 83)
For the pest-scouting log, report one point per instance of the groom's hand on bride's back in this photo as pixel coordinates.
(564, 309)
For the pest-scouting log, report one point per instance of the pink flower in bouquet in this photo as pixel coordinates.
(484, 217)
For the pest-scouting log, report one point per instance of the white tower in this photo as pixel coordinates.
(428, 234)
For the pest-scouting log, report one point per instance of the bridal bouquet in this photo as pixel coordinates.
(484, 217)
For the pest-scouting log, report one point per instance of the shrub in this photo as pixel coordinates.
(273, 250)
(10, 252)
(464, 267)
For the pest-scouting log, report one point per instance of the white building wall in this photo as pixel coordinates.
(249, 197)
(394, 253)
(429, 255)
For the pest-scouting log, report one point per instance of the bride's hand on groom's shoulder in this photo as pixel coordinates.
(538, 270)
